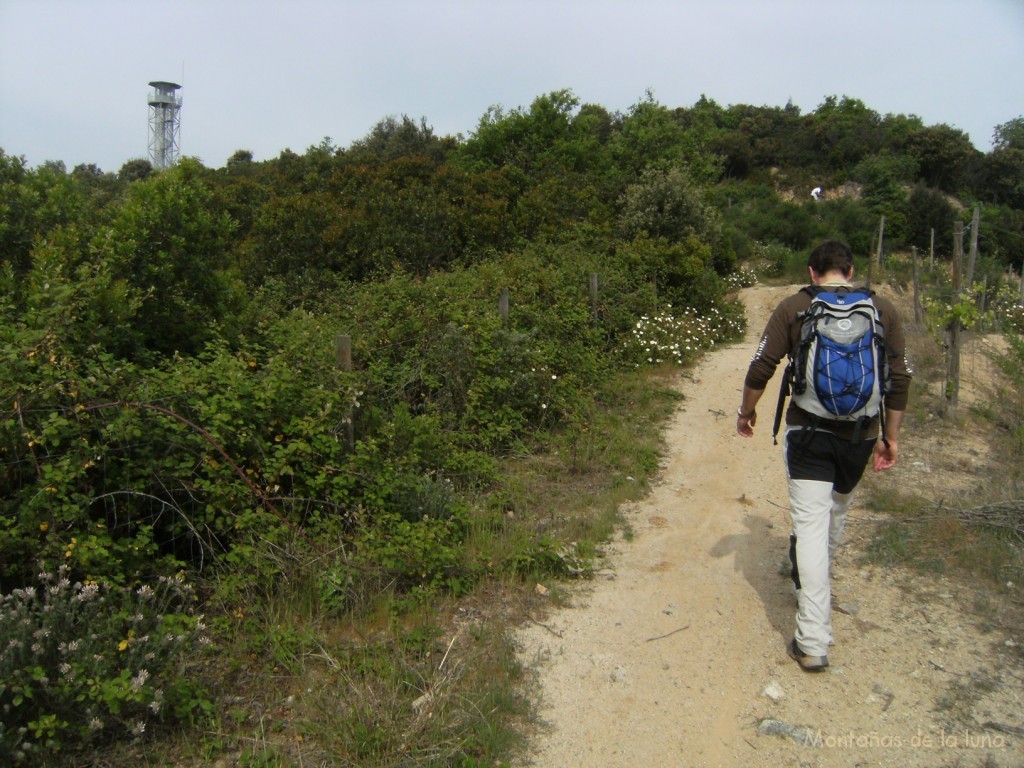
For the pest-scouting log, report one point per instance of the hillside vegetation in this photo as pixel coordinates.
(271, 430)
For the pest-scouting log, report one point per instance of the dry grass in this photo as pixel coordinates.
(955, 501)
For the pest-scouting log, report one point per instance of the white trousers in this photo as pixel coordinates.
(818, 513)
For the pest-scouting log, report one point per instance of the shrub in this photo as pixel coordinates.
(774, 260)
(88, 662)
(745, 277)
(679, 336)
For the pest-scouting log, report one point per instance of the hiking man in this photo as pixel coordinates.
(826, 457)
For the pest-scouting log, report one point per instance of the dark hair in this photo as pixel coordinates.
(831, 255)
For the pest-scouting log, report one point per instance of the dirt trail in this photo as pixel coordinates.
(667, 657)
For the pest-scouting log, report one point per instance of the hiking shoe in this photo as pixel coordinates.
(806, 662)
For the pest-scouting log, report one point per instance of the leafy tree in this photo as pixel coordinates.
(33, 203)
(18, 203)
(667, 204)
(524, 139)
(999, 175)
(299, 235)
(594, 121)
(289, 169)
(554, 206)
(592, 130)
(775, 136)
(241, 195)
(850, 220)
(240, 160)
(846, 131)
(1002, 177)
(1009, 135)
(928, 210)
(167, 242)
(736, 152)
(95, 186)
(651, 136)
(135, 170)
(391, 139)
(943, 156)
(682, 272)
(899, 129)
(409, 212)
(884, 177)
(1001, 235)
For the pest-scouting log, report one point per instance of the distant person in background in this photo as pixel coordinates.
(824, 459)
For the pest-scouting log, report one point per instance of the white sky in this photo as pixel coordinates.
(268, 76)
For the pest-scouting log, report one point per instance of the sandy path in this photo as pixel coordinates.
(666, 656)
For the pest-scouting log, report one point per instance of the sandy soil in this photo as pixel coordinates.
(673, 655)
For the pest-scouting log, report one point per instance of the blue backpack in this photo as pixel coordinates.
(839, 371)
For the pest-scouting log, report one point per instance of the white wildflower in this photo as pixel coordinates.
(140, 679)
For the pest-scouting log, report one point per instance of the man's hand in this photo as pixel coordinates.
(885, 455)
(745, 424)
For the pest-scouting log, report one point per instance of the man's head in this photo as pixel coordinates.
(831, 256)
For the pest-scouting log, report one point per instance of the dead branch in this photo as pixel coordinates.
(661, 637)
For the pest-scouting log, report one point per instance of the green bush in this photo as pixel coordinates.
(778, 261)
(84, 663)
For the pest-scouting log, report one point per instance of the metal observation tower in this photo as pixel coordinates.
(164, 124)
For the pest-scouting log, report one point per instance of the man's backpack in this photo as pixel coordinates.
(839, 370)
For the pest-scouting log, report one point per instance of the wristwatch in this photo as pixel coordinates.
(742, 415)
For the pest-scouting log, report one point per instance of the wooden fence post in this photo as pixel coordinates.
(503, 306)
(878, 248)
(871, 264)
(975, 225)
(343, 354)
(343, 350)
(917, 288)
(953, 329)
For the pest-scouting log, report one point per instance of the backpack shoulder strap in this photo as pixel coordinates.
(785, 388)
(783, 394)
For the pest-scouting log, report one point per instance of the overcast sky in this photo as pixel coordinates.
(268, 76)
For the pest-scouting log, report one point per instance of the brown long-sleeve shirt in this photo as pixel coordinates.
(781, 338)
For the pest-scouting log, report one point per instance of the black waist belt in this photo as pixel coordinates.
(841, 427)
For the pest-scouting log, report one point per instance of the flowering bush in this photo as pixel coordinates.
(744, 278)
(678, 336)
(1008, 308)
(83, 662)
(1012, 316)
